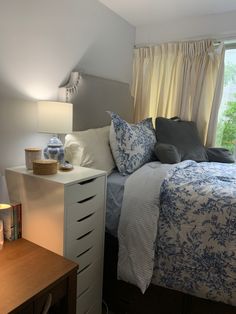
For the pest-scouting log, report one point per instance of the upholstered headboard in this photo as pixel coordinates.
(92, 96)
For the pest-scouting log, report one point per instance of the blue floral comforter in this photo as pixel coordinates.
(196, 240)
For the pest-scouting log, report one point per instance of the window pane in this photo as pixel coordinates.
(226, 128)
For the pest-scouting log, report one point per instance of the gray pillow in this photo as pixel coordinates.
(219, 154)
(167, 153)
(183, 135)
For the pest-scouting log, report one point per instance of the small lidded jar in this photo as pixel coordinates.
(32, 154)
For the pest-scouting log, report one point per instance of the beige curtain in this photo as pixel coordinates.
(180, 79)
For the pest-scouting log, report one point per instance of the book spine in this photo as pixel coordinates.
(12, 236)
(15, 221)
(19, 221)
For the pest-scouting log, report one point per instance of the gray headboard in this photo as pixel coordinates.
(92, 96)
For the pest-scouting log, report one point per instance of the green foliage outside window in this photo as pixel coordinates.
(226, 133)
(226, 128)
(230, 74)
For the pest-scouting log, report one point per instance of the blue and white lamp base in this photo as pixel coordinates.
(54, 150)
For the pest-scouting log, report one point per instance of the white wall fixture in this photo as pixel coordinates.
(71, 88)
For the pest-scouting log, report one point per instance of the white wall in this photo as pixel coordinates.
(41, 42)
(209, 26)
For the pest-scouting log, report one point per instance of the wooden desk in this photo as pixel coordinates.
(31, 277)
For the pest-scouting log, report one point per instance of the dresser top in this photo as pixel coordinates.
(77, 174)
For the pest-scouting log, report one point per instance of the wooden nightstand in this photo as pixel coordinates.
(34, 279)
(65, 213)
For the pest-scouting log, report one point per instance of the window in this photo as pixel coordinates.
(226, 127)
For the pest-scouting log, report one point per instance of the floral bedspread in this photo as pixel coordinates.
(196, 241)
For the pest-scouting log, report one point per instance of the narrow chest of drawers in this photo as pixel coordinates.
(65, 214)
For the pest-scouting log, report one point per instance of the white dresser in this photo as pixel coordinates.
(65, 213)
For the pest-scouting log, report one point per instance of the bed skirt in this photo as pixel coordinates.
(124, 298)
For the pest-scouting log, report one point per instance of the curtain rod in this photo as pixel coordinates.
(229, 40)
(168, 42)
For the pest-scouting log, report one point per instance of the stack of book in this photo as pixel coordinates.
(12, 222)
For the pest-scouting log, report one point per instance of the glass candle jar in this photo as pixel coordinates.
(32, 154)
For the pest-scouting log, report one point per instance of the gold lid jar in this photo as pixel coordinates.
(31, 154)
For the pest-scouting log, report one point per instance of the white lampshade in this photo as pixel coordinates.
(55, 117)
(4, 196)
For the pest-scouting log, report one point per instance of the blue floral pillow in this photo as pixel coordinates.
(132, 145)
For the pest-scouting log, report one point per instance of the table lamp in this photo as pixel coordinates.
(56, 118)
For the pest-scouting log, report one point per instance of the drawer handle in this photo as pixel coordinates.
(85, 235)
(47, 304)
(84, 252)
(87, 181)
(86, 199)
(83, 269)
(85, 217)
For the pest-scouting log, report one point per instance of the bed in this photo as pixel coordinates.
(175, 224)
(195, 250)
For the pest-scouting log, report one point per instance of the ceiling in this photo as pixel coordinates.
(144, 12)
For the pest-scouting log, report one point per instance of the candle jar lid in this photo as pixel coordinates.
(32, 149)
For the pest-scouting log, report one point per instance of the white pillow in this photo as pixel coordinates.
(90, 149)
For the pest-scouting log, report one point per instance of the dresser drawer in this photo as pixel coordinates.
(75, 247)
(87, 257)
(84, 239)
(80, 228)
(91, 297)
(85, 189)
(87, 276)
(82, 209)
(97, 308)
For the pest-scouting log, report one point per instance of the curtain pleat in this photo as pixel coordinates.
(180, 79)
